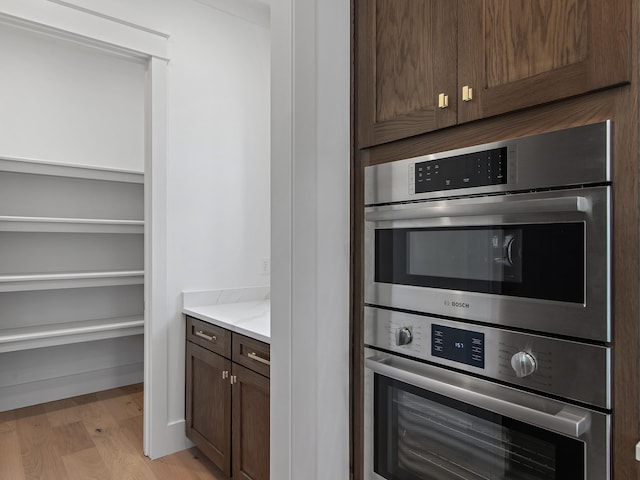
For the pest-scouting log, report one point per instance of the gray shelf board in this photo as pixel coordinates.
(54, 281)
(41, 336)
(56, 169)
(10, 223)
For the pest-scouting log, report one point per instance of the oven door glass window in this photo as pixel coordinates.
(544, 261)
(420, 435)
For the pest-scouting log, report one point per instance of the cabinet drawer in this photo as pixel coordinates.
(251, 353)
(209, 336)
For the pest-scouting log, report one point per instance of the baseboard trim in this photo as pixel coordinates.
(173, 439)
(49, 390)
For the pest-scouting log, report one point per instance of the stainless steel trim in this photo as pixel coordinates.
(568, 369)
(479, 207)
(569, 420)
(253, 356)
(201, 334)
(591, 320)
(538, 161)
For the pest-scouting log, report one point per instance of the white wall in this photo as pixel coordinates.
(310, 240)
(68, 103)
(219, 149)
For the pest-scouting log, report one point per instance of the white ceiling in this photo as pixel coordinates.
(255, 11)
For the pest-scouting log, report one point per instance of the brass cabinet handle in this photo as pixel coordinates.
(467, 93)
(257, 358)
(201, 334)
(443, 100)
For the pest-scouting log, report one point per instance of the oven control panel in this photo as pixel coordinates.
(511, 165)
(477, 169)
(458, 345)
(565, 368)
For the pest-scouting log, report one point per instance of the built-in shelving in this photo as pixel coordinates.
(72, 211)
(71, 272)
(56, 169)
(58, 281)
(41, 336)
(13, 223)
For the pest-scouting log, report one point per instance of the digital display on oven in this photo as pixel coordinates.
(458, 345)
(476, 169)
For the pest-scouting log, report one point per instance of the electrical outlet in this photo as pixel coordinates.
(266, 266)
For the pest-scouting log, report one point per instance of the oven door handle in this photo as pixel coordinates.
(482, 208)
(568, 421)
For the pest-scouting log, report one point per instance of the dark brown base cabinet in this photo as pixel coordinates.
(227, 399)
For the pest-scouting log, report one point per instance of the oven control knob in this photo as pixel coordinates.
(403, 336)
(524, 364)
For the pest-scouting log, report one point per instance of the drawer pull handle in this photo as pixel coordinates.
(255, 357)
(201, 334)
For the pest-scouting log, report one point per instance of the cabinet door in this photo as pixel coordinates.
(208, 404)
(406, 57)
(250, 425)
(520, 53)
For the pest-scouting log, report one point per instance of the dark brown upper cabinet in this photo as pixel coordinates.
(422, 65)
(406, 60)
(520, 53)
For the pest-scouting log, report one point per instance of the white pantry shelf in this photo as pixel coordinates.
(40, 336)
(55, 281)
(56, 169)
(11, 223)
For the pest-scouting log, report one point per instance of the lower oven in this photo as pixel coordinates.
(445, 400)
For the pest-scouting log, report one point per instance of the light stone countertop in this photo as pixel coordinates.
(250, 318)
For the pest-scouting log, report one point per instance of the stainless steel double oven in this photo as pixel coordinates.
(487, 311)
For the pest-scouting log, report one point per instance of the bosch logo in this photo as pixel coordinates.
(455, 304)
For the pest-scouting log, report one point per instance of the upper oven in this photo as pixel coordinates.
(515, 233)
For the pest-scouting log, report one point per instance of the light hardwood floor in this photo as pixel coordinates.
(92, 437)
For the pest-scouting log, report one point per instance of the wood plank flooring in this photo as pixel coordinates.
(92, 437)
